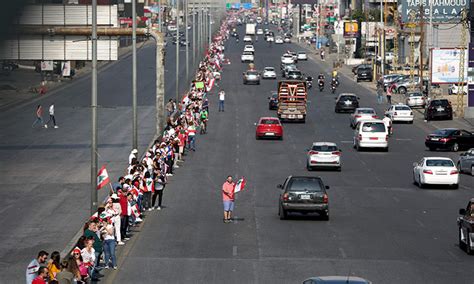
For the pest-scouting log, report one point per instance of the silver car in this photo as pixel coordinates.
(324, 155)
(466, 162)
(362, 113)
(251, 76)
(415, 99)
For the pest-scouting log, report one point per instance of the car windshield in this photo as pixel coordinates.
(252, 73)
(439, 163)
(269, 121)
(415, 95)
(345, 98)
(373, 127)
(324, 148)
(444, 132)
(269, 69)
(402, 108)
(247, 53)
(302, 53)
(439, 102)
(366, 111)
(294, 72)
(364, 70)
(304, 184)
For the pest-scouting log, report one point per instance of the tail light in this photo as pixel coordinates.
(395, 113)
(285, 197)
(411, 113)
(337, 153)
(444, 140)
(386, 137)
(313, 152)
(429, 172)
(454, 172)
(360, 137)
(449, 102)
(374, 116)
(325, 198)
(358, 116)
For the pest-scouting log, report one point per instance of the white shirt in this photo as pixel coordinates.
(130, 158)
(51, 110)
(387, 121)
(32, 270)
(88, 256)
(221, 96)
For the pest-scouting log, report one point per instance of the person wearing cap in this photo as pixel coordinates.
(132, 155)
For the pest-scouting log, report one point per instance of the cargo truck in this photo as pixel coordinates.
(292, 97)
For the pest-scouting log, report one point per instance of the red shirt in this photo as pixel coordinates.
(124, 204)
(38, 280)
(228, 191)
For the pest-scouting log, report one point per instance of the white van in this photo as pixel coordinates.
(371, 134)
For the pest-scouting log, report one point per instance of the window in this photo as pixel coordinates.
(269, 121)
(324, 148)
(439, 163)
(402, 108)
(345, 98)
(439, 103)
(366, 111)
(373, 127)
(304, 184)
(444, 132)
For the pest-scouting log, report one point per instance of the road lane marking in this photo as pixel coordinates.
(238, 146)
(453, 255)
(236, 160)
(403, 139)
(343, 253)
(464, 187)
(234, 251)
(347, 141)
(420, 223)
(396, 199)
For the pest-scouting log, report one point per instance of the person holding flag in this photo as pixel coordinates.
(229, 188)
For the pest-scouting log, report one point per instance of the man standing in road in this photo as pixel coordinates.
(221, 100)
(228, 199)
(34, 266)
(39, 116)
(51, 117)
(379, 94)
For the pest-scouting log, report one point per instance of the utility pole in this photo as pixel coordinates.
(210, 26)
(177, 52)
(422, 35)
(194, 35)
(187, 37)
(159, 16)
(134, 75)
(382, 41)
(94, 111)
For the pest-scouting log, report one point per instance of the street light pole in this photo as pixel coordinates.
(177, 51)
(134, 75)
(94, 163)
(382, 40)
(194, 35)
(159, 16)
(210, 27)
(187, 37)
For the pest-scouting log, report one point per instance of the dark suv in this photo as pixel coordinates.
(346, 102)
(304, 194)
(364, 74)
(439, 109)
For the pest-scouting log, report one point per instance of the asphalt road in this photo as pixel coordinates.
(382, 227)
(45, 173)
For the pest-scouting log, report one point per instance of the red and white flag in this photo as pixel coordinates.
(102, 178)
(240, 185)
(210, 85)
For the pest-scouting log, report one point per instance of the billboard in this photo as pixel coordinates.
(445, 65)
(442, 10)
(351, 29)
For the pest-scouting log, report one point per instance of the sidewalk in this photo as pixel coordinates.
(17, 86)
(346, 71)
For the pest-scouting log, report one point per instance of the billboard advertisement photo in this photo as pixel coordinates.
(443, 11)
(445, 65)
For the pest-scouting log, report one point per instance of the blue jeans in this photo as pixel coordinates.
(221, 105)
(109, 251)
(192, 141)
(379, 99)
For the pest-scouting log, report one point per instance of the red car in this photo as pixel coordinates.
(269, 127)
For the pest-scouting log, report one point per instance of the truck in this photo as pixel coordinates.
(250, 29)
(292, 98)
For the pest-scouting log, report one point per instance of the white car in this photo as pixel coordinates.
(362, 113)
(287, 40)
(247, 56)
(279, 40)
(302, 55)
(287, 59)
(371, 134)
(247, 38)
(454, 89)
(249, 47)
(269, 73)
(270, 39)
(259, 31)
(400, 112)
(324, 154)
(435, 170)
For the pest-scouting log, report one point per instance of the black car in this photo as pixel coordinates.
(346, 102)
(273, 101)
(439, 109)
(450, 139)
(355, 68)
(304, 194)
(364, 74)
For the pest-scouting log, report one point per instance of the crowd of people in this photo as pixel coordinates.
(142, 186)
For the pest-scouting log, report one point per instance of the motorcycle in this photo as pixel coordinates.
(309, 83)
(333, 88)
(321, 86)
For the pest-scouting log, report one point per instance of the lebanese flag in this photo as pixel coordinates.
(240, 185)
(210, 84)
(102, 178)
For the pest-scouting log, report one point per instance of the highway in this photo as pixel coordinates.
(382, 227)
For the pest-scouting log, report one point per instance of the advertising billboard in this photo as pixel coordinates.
(442, 10)
(445, 65)
(351, 29)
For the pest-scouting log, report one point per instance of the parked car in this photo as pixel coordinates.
(323, 155)
(269, 127)
(454, 89)
(439, 108)
(346, 279)
(355, 68)
(406, 84)
(400, 112)
(415, 99)
(466, 227)
(303, 194)
(450, 139)
(371, 134)
(346, 102)
(269, 73)
(435, 171)
(251, 76)
(465, 162)
(390, 79)
(365, 74)
(273, 101)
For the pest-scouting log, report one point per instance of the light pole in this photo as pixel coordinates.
(382, 40)
(177, 51)
(187, 37)
(134, 75)
(94, 111)
(194, 36)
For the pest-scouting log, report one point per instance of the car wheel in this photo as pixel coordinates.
(338, 169)
(410, 122)
(462, 245)
(458, 165)
(414, 180)
(308, 167)
(358, 80)
(256, 137)
(468, 244)
(455, 147)
(336, 111)
(357, 147)
(282, 212)
(431, 148)
(420, 184)
(385, 149)
(325, 216)
(472, 170)
(450, 117)
(455, 186)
